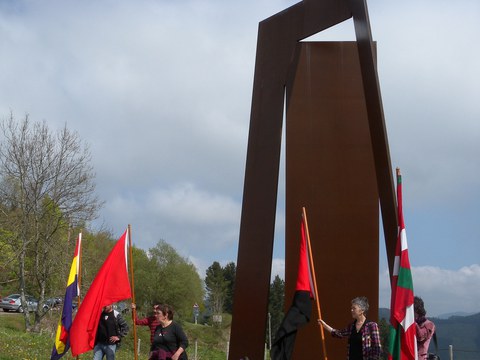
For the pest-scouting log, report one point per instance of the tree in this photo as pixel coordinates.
(176, 280)
(384, 328)
(47, 186)
(229, 272)
(216, 286)
(276, 300)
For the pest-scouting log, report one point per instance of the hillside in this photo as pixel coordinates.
(462, 332)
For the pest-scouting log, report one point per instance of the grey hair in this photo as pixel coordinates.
(361, 302)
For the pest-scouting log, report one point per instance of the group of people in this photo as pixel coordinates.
(167, 338)
(364, 336)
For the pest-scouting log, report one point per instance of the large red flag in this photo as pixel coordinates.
(109, 286)
(301, 309)
(402, 344)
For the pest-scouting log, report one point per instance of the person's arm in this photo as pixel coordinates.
(182, 341)
(336, 333)
(325, 325)
(122, 325)
(376, 344)
(145, 321)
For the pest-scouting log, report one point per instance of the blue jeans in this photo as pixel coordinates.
(104, 349)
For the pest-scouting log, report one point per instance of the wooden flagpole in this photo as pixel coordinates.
(134, 311)
(79, 275)
(314, 279)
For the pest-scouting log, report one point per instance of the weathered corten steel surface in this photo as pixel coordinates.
(331, 172)
(276, 64)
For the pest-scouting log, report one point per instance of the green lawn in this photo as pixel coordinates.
(210, 342)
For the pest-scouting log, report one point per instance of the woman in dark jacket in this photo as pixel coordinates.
(169, 340)
(363, 335)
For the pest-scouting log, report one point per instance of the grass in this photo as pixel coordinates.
(207, 342)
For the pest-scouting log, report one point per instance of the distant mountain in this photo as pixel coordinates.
(456, 330)
(462, 333)
(458, 313)
(384, 313)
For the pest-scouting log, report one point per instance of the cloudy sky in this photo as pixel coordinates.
(161, 91)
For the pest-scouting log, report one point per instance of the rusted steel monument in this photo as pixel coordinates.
(337, 166)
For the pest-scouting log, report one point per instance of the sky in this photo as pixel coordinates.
(161, 92)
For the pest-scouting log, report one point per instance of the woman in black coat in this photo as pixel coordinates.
(169, 340)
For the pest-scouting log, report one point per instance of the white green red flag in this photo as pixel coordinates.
(402, 344)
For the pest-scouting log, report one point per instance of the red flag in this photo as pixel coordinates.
(304, 276)
(109, 286)
(301, 308)
(402, 344)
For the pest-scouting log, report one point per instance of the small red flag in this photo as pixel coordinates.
(304, 276)
(301, 309)
(109, 286)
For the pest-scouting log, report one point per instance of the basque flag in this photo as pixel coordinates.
(403, 343)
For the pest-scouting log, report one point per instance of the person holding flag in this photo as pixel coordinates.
(151, 321)
(363, 335)
(111, 284)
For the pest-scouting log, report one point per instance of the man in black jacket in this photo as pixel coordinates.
(111, 328)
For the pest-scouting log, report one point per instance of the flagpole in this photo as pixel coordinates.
(79, 274)
(314, 280)
(134, 311)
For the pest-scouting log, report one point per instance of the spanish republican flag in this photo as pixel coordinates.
(62, 339)
(403, 343)
(109, 286)
(301, 309)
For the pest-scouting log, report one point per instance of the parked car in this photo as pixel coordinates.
(13, 303)
(53, 303)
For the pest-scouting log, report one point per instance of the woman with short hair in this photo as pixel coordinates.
(363, 335)
(169, 340)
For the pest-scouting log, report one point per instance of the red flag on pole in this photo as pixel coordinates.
(403, 343)
(109, 286)
(301, 309)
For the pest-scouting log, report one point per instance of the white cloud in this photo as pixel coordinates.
(162, 92)
(278, 268)
(443, 291)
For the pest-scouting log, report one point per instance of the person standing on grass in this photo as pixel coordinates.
(170, 341)
(151, 321)
(111, 329)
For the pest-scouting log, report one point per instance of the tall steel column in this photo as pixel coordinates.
(276, 64)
